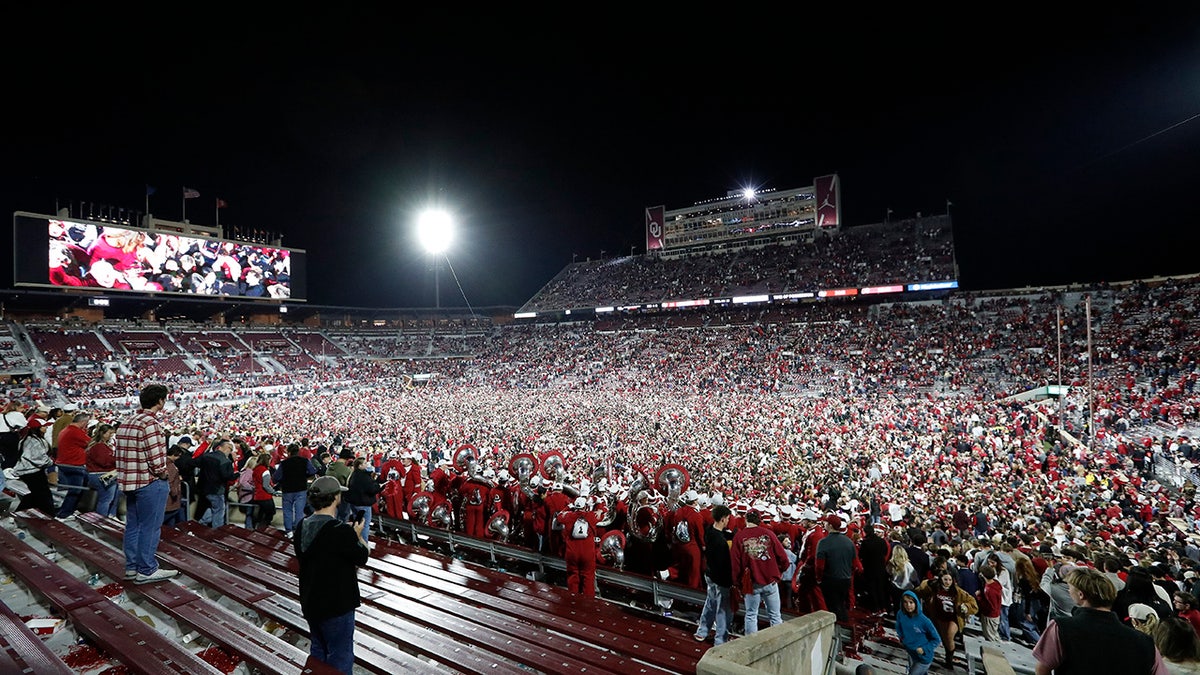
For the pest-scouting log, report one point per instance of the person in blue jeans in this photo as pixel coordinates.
(757, 552)
(329, 553)
(917, 634)
(291, 478)
(141, 455)
(718, 577)
(215, 470)
(71, 462)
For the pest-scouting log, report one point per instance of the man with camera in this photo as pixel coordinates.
(329, 551)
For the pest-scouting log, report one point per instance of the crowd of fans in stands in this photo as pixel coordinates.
(893, 417)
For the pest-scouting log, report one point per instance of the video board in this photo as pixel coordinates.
(81, 255)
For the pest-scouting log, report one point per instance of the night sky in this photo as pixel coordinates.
(1067, 145)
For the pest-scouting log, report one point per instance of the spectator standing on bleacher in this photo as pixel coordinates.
(1093, 640)
(214, 471)
(141, 456)
(362, 492)
(59, 419)
(71, 461)
(31, 468)
(718, 575)
(263, 497)
(837, 563)
(329, 553)
(291, 477)
(758, 561)
(102, 469)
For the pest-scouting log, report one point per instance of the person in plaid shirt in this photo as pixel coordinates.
(140, 451)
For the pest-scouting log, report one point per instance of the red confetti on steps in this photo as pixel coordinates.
(110, 590)
(219, 659)
(85, 657)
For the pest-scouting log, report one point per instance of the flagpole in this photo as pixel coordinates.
(217, 204)
(183, 211)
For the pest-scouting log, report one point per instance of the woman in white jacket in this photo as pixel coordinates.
(31, 468)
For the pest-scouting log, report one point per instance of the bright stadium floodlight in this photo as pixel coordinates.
(435, 231)
(748, 194)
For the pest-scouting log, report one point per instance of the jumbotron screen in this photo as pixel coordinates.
(87, 255)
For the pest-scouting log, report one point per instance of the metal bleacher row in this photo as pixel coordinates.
(421, 612)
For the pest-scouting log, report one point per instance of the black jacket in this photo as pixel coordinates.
(214, 471)
(293, 473)
(328, 551)
(1095, 641)
(362, 488)
(716, 554)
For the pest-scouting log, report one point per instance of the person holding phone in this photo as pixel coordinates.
(329, 552)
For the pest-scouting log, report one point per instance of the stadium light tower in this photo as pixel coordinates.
(435, 231)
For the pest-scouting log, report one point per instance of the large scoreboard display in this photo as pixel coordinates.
(82, 255)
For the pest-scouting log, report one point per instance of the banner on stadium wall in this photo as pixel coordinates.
(828, 190)
(654, 227)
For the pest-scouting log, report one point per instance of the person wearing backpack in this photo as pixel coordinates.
(580, 537)
(11, 424)
(31, 468)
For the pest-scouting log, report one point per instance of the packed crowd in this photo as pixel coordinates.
(887, 423)
(904, 252)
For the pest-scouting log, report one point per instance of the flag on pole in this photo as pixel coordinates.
(221, 203)
(189, 193)
(149, 190)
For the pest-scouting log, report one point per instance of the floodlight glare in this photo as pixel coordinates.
(435, 231)
(748, 194)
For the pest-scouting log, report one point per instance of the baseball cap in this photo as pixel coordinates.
(1141, 612)
(326, 485)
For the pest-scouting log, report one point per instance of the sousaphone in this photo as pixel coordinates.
(552, 465)
(612, 549)
(465, 459)
(418, 508)
(524, 466)
(497, 527)
(673, 480)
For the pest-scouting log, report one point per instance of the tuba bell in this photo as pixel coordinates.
(418, 509)
(673, 481)
(523, 466)
(466, 460)
(552, 465)
(442, 516)
(497, 527)
(612, 549)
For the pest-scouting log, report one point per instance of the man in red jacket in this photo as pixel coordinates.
(580, 536)
(757, 553)
(72, 461)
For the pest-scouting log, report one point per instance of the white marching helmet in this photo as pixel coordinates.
(579, 503)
